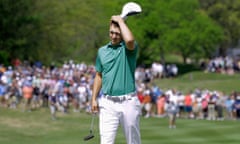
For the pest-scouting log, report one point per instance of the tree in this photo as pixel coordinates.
(56, 31)
(177, 26)
(195, 39)
(68, 30)
(16, 25)
(226, 13)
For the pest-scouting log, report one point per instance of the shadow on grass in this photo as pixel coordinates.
(186, 68)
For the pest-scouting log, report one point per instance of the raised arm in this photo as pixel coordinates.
(125, 32)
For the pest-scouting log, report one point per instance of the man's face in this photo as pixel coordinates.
(115, 34)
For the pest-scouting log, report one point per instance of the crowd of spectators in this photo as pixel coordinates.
(32, 86)
(196, 104)
(68, 88)
(157, 70)
(224, 65)
(164, 71)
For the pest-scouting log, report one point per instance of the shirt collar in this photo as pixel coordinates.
(109, 45)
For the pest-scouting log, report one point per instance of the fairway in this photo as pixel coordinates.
(37, 128)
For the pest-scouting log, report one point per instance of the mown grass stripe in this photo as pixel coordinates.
(38, 128)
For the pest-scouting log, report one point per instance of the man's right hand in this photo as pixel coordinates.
(117, 18)
(94, 106)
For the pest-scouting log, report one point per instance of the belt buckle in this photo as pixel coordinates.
(120, 99)
(117, 99)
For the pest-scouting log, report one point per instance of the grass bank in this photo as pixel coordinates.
(37, 128)
(199, 79)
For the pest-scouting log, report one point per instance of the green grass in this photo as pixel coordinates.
(193, 80)
(37, 127)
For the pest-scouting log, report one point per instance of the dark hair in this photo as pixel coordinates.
(114, 23)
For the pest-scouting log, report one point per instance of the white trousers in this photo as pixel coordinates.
(126, 113)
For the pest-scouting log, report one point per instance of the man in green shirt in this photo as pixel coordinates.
(115, 66)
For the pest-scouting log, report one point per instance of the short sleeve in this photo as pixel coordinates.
(98, 65)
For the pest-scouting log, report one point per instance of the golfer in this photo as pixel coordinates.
(119, 104)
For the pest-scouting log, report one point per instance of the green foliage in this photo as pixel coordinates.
(226, 13)
(69, 30)
(177, 26)
(4, 57)
(59, 30)
(186, 68)
(16, 27)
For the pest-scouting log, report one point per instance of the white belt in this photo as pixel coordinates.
(120, 98)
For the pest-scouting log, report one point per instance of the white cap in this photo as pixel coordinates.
(130, 8)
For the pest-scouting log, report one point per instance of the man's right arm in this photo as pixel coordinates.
(126, 32)
(96, 88)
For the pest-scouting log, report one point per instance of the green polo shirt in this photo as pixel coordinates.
(117, 65)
